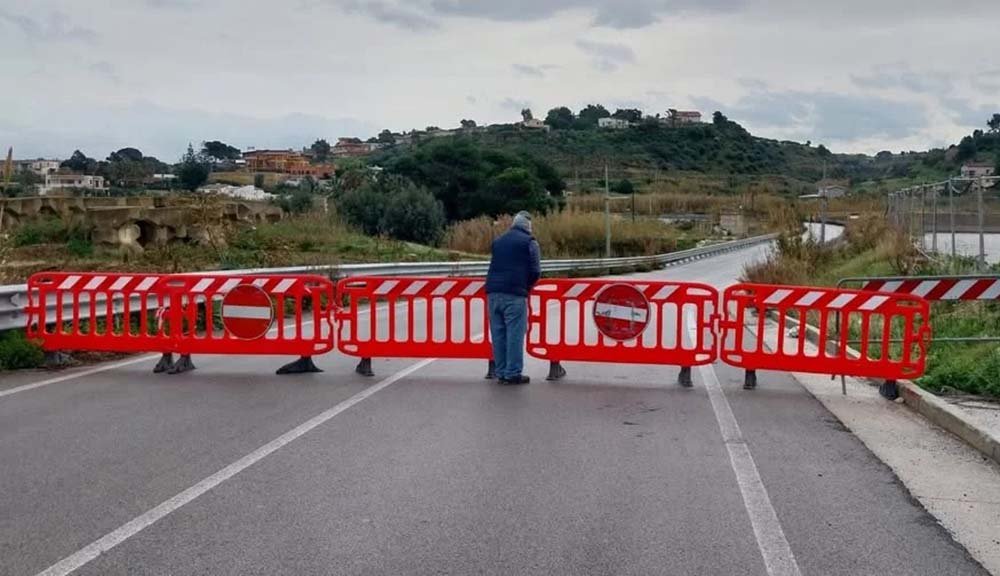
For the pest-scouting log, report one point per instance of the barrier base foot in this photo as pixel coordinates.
(556, 371)
(491, 371)
(183, 364)
(57, 360)
(303, 365)
(684, 377)
(165, 364)
(889, 390)
(750, 380)
(365, 367)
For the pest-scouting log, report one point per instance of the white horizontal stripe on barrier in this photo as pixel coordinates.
(620, 312)
(246, 312)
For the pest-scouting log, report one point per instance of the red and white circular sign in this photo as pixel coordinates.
(247, 312)
(621, 312)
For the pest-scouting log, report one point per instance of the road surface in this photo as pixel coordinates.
(429, 469)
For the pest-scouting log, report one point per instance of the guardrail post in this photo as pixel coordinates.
(556, 371)
(684, 377)
(750, 380)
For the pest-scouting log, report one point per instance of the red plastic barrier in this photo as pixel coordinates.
(400, 317)
(842, 316)
(187, 314)
(562, 325)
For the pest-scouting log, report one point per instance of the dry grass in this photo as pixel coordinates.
(574, 233)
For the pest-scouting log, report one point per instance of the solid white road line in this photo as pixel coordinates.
(74, 375)
(138, 524)
(771, 541)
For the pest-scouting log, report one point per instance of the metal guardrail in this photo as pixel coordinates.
(14, 299)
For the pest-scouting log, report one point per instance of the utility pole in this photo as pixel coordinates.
(982, 241)
(607, 214)
(951, 217)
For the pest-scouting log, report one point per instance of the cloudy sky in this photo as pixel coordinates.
(856, 75)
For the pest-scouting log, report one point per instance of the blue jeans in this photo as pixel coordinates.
(508, 325)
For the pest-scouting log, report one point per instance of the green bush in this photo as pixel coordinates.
(40, 232)
(17, 353)
(413, 214)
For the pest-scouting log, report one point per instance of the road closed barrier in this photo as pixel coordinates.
(628, 322)
(398, 317)
(182, 314)
(893, 330)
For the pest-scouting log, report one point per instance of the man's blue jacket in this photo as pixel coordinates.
(515, 265)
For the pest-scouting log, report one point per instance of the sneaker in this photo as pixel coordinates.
(515, 381)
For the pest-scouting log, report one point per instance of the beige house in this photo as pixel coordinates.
(57, 182)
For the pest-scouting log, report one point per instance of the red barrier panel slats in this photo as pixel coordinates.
(564, 310)
(877, 359)
(179, 300)
(426, 334)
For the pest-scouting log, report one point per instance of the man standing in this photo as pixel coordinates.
(515, 266)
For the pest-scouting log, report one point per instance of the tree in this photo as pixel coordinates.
(994, 123)
(386, 137)
(592, 113)
(560, 118)
(126, 154)
(468, 124)
(623, 187)
(823, 152)
(511, 191)
(719, 119)
(413, 214)
(526, 114)
(321, 149)
(633, 115)
(193, 170)
(79, 162)
(217, 151)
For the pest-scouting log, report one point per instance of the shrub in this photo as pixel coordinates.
(17, 353)
(413, 214)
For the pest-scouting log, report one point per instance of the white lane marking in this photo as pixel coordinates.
(105, 543)
(66, 377)
(771, 541)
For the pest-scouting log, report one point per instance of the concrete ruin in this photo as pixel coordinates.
(133, 223)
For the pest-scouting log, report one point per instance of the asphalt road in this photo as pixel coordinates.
(615, 470)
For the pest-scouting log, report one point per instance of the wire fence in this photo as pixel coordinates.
(959, 217)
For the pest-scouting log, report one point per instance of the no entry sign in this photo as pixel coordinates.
(621, 312)
(247, 312)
